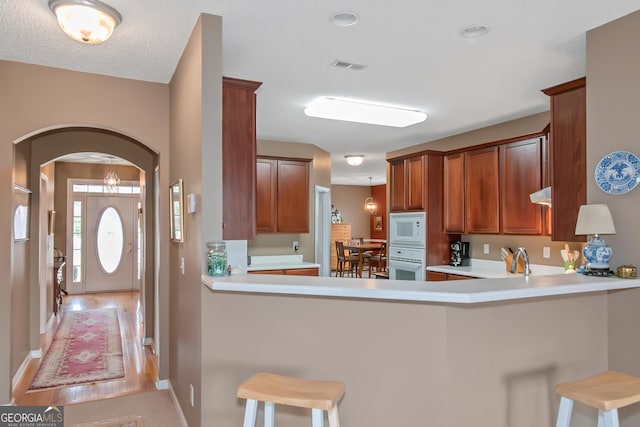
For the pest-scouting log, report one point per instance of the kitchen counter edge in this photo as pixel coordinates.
(456, 292)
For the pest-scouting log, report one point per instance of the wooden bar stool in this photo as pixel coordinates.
(271, 389)
(606, 391)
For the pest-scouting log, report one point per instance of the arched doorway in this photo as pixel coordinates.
(39, 152)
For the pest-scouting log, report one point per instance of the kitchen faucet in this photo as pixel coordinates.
(525, 259)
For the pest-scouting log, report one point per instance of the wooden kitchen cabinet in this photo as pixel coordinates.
(282, 197)
(396, 186)
(416, 184)
(436, 276)
(567, 157)
(302, 272)
(340, 232)
(520, 175)
(407, 184)
(482, 191)
(238, 158)
(266, 195)
(454, 193)
(289, 271)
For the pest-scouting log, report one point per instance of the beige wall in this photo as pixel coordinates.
(36, 99)
(612, 115)
(349, 200)
(196, 158)
(522, 126)
(404, 363)
(319, 174)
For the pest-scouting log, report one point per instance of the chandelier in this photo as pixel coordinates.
(111, 180)
(370, 205)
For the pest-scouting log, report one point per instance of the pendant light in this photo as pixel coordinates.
(370, 205)
(111, 180)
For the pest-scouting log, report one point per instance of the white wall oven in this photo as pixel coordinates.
(406, 263)
(407, 244)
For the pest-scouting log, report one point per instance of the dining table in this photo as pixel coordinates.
(361, 249)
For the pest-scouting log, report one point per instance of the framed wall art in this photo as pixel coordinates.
(21, 213)
(176, 214)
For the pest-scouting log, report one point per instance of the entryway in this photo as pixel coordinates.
(104, 236)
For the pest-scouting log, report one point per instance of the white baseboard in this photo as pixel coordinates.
(174, 399)
(33, 354)
(147, 341)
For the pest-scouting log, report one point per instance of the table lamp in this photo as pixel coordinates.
(595, 220)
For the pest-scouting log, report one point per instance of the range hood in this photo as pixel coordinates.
(542, 197)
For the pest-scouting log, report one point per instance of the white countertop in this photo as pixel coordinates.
(279, 262)
(458, 291)
(487, 269)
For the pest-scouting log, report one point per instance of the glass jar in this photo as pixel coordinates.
(216, 259)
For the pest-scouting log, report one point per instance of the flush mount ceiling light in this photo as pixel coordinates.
(344, 18)
(88, 21)
(476, 30)
(363, 112)
(354, 159)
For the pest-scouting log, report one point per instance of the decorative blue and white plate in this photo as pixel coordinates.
(618, 172)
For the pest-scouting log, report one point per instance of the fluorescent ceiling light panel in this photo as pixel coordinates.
(362, 112)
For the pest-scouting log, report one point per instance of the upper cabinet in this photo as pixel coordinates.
(238, 158)
(486, 190)
(282, 195)
(567, 157)
(482, 191)
(416, 184)
(454, 193)
(407, 184)
(521, 175)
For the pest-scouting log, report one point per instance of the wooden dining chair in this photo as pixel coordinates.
(344, 260)
(380, 259)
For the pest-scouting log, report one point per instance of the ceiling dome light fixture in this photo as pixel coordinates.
(476, 30)
(87, 21)
(354, 159)
(344, 18)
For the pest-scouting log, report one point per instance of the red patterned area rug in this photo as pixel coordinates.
(86, 348)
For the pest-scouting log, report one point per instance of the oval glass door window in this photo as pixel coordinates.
(109, 240)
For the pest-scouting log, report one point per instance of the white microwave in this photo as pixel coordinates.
(408, 229)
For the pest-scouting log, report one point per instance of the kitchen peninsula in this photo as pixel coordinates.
(477, 352)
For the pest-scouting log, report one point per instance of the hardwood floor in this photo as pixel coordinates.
(139, 361)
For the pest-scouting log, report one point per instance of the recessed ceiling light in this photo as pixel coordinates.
(475, 30)
(363, 112)
(344, 18)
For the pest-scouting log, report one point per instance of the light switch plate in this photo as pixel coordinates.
(485, 248)
(546, 252)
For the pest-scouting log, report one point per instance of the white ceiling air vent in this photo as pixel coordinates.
(347, 65)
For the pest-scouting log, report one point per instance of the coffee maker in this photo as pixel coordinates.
(459, 254)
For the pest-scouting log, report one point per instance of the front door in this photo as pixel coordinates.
(111, 240)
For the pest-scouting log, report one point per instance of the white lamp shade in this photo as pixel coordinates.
(595, 219)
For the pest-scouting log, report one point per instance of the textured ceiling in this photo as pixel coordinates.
(412, 49)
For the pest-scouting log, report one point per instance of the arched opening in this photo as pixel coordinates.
(35, 160)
